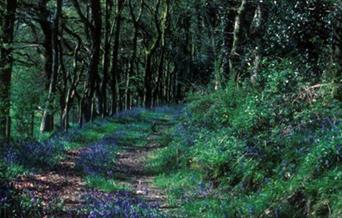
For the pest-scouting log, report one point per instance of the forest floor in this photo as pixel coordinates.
(64, 187)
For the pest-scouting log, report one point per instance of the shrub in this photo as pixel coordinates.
(270, 149)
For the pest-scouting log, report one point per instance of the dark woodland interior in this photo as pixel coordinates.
(171, 108)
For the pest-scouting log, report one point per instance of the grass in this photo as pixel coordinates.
(105, 184)
(180, 184)
(208, 208)
(133, 137)
(90, 134)
(15, 170)
(101, 141)
(188, 192)
(263, 151)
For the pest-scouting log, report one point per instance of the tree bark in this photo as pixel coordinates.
(115, 59)
(106, 60)
(228, 17)
(148, 80)
(6, 62)
(158, 90)
(51, 41)
(259, 25)
(92, 75)
(150, 51)
(133, 60)
(235, 53)
(71, 79)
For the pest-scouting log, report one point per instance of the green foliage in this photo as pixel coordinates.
(214, 150)
(14, 170)
(272, 148)
(165, 158)
(175, 142)
(209, 110)
(179, 184)
(89, 134)
(104, 184)
(26, 93)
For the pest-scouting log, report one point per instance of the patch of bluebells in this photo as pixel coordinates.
(4, 187)
(33, 153)
(120, 134)
(135, 113)
(60, 135)
(41, 153)
(11, 156)
(176, 111)
(108, 140)
(252, 151)
(201, 190)
(5, 196)
(205, 189)
(120, 204)
(184, 134)
(98, 158)
(163, 109)
(15, 204)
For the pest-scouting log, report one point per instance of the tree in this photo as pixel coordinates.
(106, 59)
(115, 56)
(51, 32)
(6, 62)
(92, 76)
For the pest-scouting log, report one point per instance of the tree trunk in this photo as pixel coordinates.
(106, 61)
(51, 42)
(71, 80)
(150, 51)
(148, 80)
(133, 61)
(260, 18)
(159, 90)
(6, 62)
(127, 97)
(235, 53)
(47, 121)
(115, 60)
(228, 16)
(92, 77)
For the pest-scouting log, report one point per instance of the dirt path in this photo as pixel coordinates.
(65, 184)
(132, 173)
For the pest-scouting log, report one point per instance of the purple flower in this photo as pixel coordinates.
(10, 157)
(97, 159)
(120, 204)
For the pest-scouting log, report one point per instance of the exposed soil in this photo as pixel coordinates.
(131, 172)
(65, 183)
(62, 185)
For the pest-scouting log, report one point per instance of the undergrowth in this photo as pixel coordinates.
(269, 149)
(96, 145)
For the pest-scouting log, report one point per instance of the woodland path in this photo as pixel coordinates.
(66, 185)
